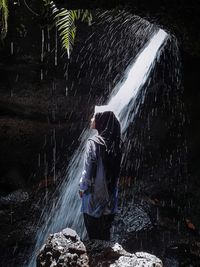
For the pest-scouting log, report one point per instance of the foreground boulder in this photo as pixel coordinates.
(66, 249)
(63, 249)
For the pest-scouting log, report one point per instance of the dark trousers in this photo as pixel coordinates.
(98, 228)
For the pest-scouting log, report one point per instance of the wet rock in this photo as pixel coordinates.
(63, 249)
(66, 249)
(148, 260)
(16, 198)
(125, 261)
(103, 253)
(131, 219)
(141, 259)
(69, 233)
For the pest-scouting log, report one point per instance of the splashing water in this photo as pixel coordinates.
(66, 212)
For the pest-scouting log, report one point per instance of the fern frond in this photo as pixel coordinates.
(65, 21)
(4, 18)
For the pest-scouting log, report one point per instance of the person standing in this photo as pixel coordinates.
(98, 187)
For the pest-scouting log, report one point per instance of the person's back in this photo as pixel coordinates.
(98, 184)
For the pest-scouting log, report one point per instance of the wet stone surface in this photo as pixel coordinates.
(15, 198)
(63, 249)
(131, 218)
(66, 249)
(143, 227)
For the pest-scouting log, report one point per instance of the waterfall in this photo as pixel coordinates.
(66, 212)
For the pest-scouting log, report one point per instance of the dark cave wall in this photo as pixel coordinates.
(39, 116)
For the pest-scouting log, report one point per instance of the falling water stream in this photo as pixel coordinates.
(66, 211)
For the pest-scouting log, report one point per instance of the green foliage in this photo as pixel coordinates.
(4, 18)
(65, 21)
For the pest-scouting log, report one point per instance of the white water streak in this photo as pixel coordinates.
(66, 212)
(134, 80)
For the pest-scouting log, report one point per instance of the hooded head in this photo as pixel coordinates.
(107, 124)
(108, 128)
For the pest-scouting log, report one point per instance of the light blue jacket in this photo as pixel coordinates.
(96, 200)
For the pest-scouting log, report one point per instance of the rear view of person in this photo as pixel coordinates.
(99, 180)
